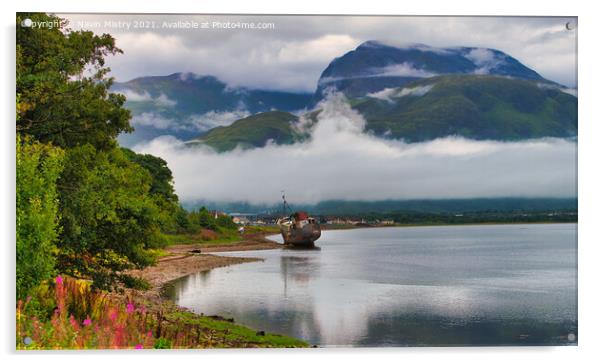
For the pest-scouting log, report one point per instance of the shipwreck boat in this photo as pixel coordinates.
(299, 229)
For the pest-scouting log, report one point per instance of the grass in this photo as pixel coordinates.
(226, 333)
(253, 131)
(69, 314)
(194, 238)
(219, 238)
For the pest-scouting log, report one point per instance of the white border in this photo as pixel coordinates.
(590, 120)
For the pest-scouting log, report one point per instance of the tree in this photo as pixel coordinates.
(109, 216)
(38, 167)
(63, 86)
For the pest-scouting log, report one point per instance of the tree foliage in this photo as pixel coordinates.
(203, 218)
(112, 202)
(63, 86)
(38, 167)
(109, 215)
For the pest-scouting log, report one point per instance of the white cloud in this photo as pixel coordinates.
(135, 96)
(154, 120)
(401, 70)
(340, 161)
(394, 70)
(570, 91)
(165, 101)
(213, 119)
(388, 94)
(384, 94)
(485, 59)
(322, 49)
(418, 91)
(202, 122)
(276, 59)
(161, 100)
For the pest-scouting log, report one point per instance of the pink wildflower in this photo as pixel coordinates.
(87, 322)
(59, 280)
(139, 346)
(73, 322)
(130, 308)
(113, 315)
(149, 334)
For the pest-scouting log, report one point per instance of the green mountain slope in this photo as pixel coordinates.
(253, 131)
(185, 104)
(473, 106)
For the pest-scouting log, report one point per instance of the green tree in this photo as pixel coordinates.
(38, 167)
(162, 183)
(109, 216)
(63, 86)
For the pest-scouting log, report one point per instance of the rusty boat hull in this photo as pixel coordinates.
(299, 230)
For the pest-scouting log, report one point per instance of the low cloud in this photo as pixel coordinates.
(213, 119)
(340, 161)
(388, 94)
(485, 59)
(384, 94)
(401, 70)
(161, 100)
(153, 120)
(202, 122)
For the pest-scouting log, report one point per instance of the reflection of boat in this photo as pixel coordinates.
(298, 229)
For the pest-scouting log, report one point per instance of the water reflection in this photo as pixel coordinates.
(493, 285)
(298, 268)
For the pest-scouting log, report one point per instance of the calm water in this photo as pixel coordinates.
(452, 285)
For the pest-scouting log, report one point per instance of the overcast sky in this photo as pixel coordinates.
(345, 162)
(292, 55)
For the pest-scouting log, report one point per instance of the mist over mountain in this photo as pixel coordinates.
(479, 107)
(186, 104)
(413, 93)
(374, 66)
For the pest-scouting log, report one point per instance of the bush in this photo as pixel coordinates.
(109, 219)
(134, 282)
(38, 168)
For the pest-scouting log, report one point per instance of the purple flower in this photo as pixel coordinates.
(139, 346)
(130, 308)
(59, 280)
(87, 322)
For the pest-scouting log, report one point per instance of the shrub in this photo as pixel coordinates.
(38, 168)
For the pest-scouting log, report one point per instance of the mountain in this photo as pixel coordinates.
(374, 66)
(184, 104)
(253, 131)
(473, 106)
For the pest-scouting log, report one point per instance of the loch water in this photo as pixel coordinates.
(404, 286)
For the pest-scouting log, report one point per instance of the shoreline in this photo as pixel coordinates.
(187, 259)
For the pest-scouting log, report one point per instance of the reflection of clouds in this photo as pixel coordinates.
(330, 298)
(299, 268)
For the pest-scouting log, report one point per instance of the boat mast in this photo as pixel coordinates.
(284, 204)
